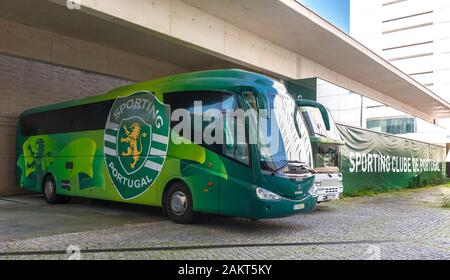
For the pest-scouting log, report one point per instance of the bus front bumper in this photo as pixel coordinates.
(329, 186)
(269, 209)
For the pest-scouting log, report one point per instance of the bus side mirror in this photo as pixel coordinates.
(314, 104)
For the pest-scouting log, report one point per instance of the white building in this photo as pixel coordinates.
(413, 35)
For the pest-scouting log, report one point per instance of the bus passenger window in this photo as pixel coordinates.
(86, 117)
(235, 145)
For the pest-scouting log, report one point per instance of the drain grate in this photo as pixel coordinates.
(13, 200)
(194, 247)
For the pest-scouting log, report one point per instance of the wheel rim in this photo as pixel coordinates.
(178, 203)
(49, 188)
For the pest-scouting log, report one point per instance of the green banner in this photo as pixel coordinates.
(373, 161)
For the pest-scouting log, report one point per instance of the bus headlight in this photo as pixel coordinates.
(264, 194)
(313, 190)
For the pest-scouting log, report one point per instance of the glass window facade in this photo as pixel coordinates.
(393, 125)
(352, 108)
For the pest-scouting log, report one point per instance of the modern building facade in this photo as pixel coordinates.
(414, 36)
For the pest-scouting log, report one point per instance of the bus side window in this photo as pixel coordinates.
(235, 145)
(86, 117)
(186, 100)
(218, 100)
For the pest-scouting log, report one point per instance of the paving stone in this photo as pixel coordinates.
(403, 225)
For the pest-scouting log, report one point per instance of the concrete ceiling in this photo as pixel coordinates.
(57, 18)
(291, 25)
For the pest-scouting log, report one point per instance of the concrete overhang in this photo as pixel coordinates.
(58, 19)
(291, 25)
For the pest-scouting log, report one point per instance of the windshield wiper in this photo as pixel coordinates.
(278, 169)
(320, 134)
(303, 165)
(296, 161)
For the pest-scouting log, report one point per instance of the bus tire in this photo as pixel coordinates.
(178, 204)
(49, 191)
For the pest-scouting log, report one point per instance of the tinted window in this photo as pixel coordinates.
(78, 118)
(393, 125)
(211, 100)
(185, 100)
(234, 148)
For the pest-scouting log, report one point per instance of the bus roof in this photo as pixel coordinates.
(224, 79)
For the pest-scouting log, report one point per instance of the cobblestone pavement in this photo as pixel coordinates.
(410, 224)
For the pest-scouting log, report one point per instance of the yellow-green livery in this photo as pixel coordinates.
(123, 146)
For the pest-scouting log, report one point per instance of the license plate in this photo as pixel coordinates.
(299, 206)
(328, 197)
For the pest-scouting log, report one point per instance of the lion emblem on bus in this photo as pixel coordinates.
(37, 155)
(133, 137)
(133, 143)
(136, 140)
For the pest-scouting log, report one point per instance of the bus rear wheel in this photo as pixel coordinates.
(178, 204)
(49, 190)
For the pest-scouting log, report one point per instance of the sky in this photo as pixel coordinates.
(335, 11)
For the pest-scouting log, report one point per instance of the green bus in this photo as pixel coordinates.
(124, 146)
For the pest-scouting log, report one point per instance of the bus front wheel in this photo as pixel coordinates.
(49, 190)
(178, 204)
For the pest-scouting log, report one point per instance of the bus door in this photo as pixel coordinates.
(237, 176)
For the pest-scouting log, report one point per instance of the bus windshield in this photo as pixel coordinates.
(325, 143)
(283, 137)
(316, 125)
(326, 155)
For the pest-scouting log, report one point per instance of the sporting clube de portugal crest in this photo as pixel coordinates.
(135, 142)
